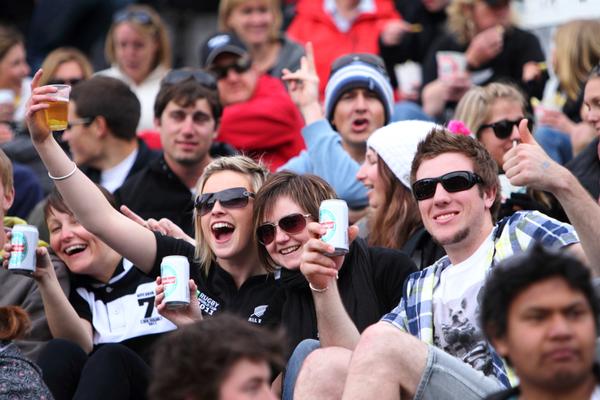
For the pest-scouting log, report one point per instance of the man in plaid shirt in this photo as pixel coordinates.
(430, 346)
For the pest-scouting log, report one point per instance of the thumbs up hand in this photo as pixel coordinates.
(527, 164)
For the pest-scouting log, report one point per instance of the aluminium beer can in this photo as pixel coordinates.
(333, 215)
(175, 274)
(22, 256)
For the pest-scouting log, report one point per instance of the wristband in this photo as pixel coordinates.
(317, 290)
(60, 178)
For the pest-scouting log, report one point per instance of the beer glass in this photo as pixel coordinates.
(56, 114)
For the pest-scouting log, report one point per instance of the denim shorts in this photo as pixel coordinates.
(446, 377)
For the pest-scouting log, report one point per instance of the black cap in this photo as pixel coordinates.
(220, 43)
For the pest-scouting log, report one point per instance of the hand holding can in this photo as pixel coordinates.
(24, 241)
(175, 274)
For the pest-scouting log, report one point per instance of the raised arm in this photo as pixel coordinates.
(528, 165)
(334, 324)
(87, 203)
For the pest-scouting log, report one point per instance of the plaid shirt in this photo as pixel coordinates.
(512, 235)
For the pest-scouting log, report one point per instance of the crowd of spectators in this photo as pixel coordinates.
(468, 159)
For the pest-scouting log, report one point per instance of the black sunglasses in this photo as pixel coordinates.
(139, 16)
(179, 75)
(452, 182)
(292, 223)
(228, 198)
(71, 82)
(503, 129)
(240, 66)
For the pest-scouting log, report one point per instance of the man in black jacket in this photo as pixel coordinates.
(187, 112)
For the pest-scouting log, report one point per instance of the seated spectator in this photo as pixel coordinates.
(358, 100)
(64, 65)
(14, 75)
(218, 359)
(423, 21)
(259, 118)
(187, 114)
(108, 312)
(138, 49)
(18, 289)
(20, 378)
(576, 51)
(338, 27)
(586, 166)
(258, 24)
(370, 278)
(393, 220)
(413, 348)
(494, 49)
(540, 311)
(28, 192)
(492, 113)
(103, 114)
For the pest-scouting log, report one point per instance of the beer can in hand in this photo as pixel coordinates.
(333, 215)
(22, 256)
(175, 274)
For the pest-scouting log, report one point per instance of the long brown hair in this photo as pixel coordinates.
(398, 218)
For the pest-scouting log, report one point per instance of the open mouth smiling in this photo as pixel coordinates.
(222, 231)
(74, 249)
(289, 250)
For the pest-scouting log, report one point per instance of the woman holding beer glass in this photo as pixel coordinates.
(369, 279)
(137, 46)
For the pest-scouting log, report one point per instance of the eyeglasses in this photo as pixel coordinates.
(81, 121)
(228, 198)
(503, 129)
(72, 82)
(370, 59)
(242, 65)
(452, 182)
(139, 16)
(179, 75)
(293, 223)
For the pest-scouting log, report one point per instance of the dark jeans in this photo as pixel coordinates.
(113, 372)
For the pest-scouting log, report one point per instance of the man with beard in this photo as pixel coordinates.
(454, 180)
(540, 312)
(186, 113)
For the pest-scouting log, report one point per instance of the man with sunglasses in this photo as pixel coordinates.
(434, 329)
(187, 112)
(358, 100)
(259, 118)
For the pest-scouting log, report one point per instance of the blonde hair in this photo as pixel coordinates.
(257, 173)
(475, 106)
(155, 28)
(63, 55)
(226, 7)
(577, 51)
(6, 172)
(460, 22)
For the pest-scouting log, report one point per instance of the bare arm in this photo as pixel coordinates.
(62, 319)
(87, 203)
(528, 165)
(334, 324)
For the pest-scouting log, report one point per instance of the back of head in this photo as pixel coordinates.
(14, 323)
(193, 361)
(308, 191)
(62, 55)
(514, 275)
(474, 108)
(146, 21)
(112, 99)
(226, 7)
(184, 87)
(441, 141)
(576, 52)
(358, 70)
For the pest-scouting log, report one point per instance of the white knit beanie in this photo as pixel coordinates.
(396, 144)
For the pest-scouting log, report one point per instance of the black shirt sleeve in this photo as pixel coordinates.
(82, 308)
(390, 269)
(168, 246)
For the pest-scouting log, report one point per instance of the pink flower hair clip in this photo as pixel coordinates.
(458, 128)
